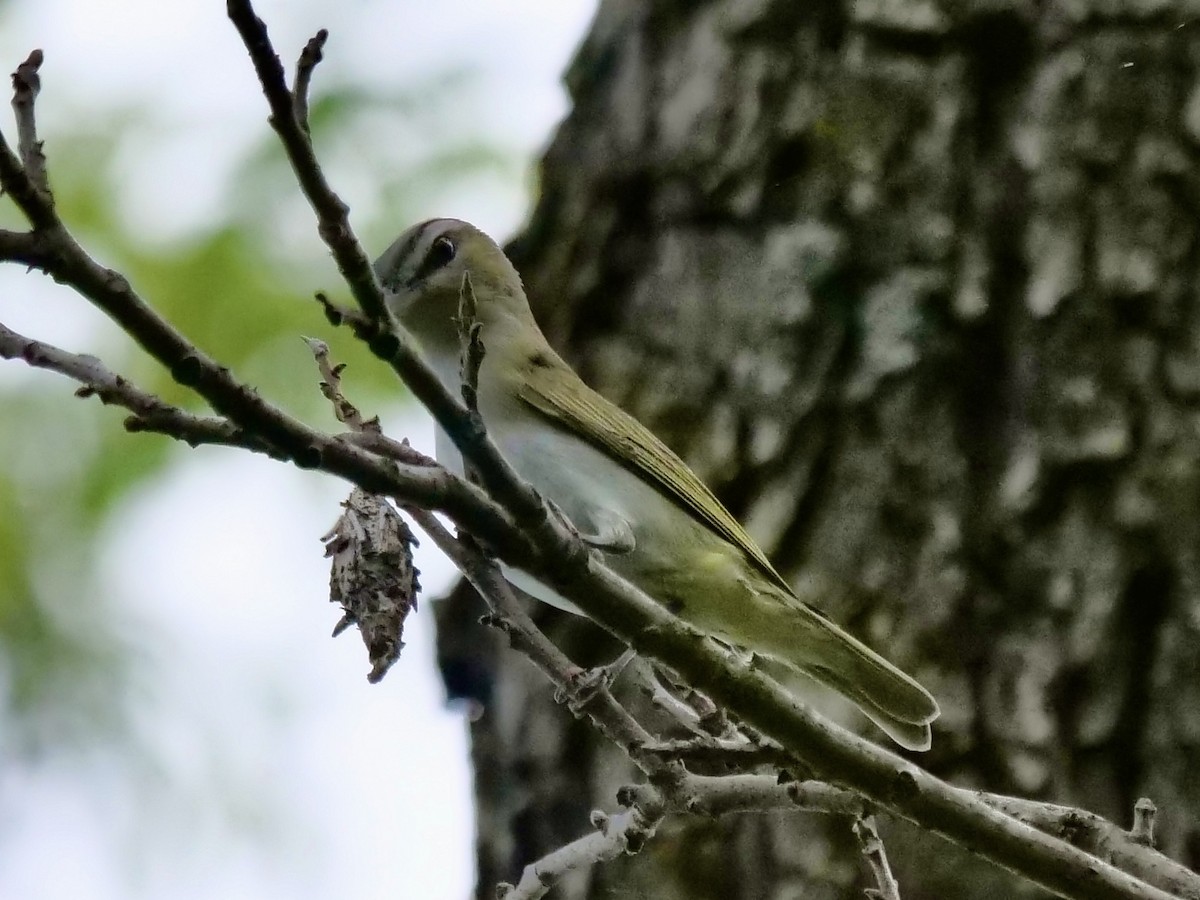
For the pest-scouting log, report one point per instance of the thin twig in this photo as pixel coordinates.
(150, 413)
(26, 85)
(735, 755)
(400, 451)
(364, 432)
(332, 212)
(310, 56)
(25, 247)
(383, 334)
(870, 844)
(470, 331)
(1142, 832)
(1106, 840)
(710, 717)
(708, 795)
(647, 805)
(22, 177)
(58, 253)
(346, 412)
(338, 316)
(470, 337)
(615, 836)
(610, 717)
(649, 683)
(594, 701)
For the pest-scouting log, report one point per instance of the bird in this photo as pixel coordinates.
(628, 496)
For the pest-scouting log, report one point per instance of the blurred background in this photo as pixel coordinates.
(174, 720)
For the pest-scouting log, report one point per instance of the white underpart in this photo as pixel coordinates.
(598, 496)
(448, 456)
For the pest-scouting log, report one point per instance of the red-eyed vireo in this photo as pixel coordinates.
(623, 489)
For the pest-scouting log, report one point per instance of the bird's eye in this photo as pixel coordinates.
(441, 252)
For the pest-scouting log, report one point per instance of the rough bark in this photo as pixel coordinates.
(914, 286)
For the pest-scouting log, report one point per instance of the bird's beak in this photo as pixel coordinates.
(396, 295)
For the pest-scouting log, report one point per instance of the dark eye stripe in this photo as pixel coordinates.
(399, 256)
(439, 255)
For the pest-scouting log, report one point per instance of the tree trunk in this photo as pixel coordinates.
(913, 287)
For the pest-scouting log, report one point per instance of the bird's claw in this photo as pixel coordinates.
(613, 533)
(586, 683)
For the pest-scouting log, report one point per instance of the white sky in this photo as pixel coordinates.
(274, 769)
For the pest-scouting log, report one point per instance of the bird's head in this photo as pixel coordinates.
(422, 275)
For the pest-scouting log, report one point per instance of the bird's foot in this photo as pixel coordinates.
(612, 534)
(586, 683)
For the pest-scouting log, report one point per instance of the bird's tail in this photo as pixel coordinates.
(802, 638)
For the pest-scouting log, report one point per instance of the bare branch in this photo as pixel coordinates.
(338, 316)
(720, 795)
(596, 702)
(28, 248)
(23, 177)
(332, 212)
(650, 684)
(26, 85)
(1142, 832)
(712, 796)
(587, 697)
(647, 805)
(470, 331)
(400, 451)
(150, 413)
(242, 406)
(1098, 836)
(331, 389)
(624, 833)
(870, 844)
(310, 56)
(383, 334)
(731, 754)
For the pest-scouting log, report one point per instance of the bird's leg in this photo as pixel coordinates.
(611, 533)
(614, 669)
(589, 681)
(611, 536)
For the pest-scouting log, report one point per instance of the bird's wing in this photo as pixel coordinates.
(583, 412)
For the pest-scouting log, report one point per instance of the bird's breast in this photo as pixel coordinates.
(590, 488)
